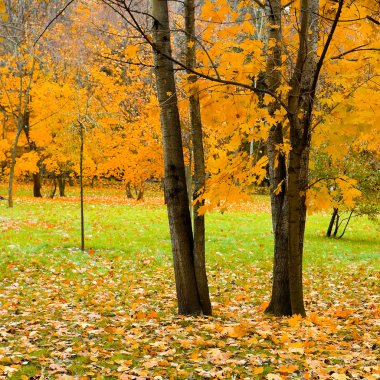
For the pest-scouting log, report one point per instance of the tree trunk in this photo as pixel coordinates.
(189, 186)
(61, 185)
(332, 220)
(336, 225)
(12, 168)
(128, 191)
(139, 191)
(290, 179)
(54, 189)
(81, 152)
(295, 227)
(32, 147)
(300, 106)
(199, 164)
(175, 181)
(280, 299)
(37, 185)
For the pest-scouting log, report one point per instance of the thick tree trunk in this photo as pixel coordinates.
(280, 299)
(300, 104)
(139, 191)
(175, 181)
(128, 191)
(61, 185)
(37, 185)
(290, 179)
(54, 189)
(296, 221)
(199, 164)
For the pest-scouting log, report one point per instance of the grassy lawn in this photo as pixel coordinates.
(109, 312)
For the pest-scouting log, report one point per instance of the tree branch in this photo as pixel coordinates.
(51, 21)
(137, 27)
(373, 20)
(319, 67)
(358, 48)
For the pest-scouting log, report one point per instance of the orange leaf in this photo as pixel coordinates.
(284, 370)
(295, 320)
(258, 370)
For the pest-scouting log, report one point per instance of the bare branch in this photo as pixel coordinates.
(52, 21)
(373, 20)
(135, 24)
(259, 3)
(355, 49)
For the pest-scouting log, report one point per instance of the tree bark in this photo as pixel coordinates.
(300, 105)
(280, 299)
(81, 152)
(175, 181)
(53, 190)
(332, 220)
(61, 185)
(295, 227)
(128, 191)
(336, 225)
(37, 185)
(199, 164)
(12, 168)
(290, 178)
(32, 147)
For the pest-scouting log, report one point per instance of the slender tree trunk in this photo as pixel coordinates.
(81, 133)
(189, 185)
(336, 225)
(4, 124)
(12, 168)
(332, 220)
(345, 227)
(32, 147)
(175, 181)
(199, 164)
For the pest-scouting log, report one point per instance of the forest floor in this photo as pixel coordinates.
(110, 312)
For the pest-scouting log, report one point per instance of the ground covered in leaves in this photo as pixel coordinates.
(111, 313)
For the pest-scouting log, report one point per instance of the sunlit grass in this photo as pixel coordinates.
(135, 229)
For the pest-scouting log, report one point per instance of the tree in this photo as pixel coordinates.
(199, 160)
(347, 182)
(288, 88)
(20, 52)
(190, 298)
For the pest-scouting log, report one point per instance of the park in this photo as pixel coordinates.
(189, 189)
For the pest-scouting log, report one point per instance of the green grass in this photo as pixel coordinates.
(89, 313)
(35, 226)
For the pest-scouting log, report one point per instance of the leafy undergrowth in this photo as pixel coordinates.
(111, 314)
